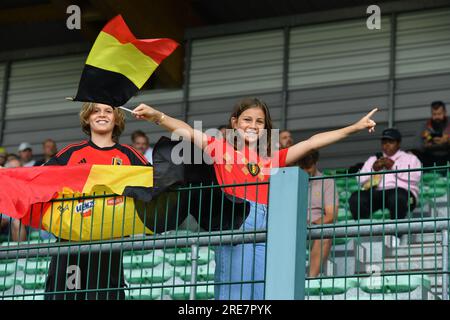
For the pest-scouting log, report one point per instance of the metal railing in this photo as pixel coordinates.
(373, 258)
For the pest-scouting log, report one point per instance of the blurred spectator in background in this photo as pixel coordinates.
(141, 142)
(26, 154)
(394, 191)
(223, 130)
(436, 142)
(12, 161)
(323, 207)
(49, 149)
(2, 156)
(286, 140)
(17, 229)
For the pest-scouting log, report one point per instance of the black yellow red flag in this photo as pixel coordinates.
(118, 64)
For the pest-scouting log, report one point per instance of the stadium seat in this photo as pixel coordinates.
(33, 281)
(204, 273)
(433, 192)
(179, 259)
(143, 294)
(344, 214)
(329, 286)
(148, 275)
(148, 260)
(7, 283)
(429, 177)
(205, 255)
(344, 196)
(393, 284)
(346, 183)
(8, 267)
(36, 266)
(203, 292)
(382, 214)
(34, 235)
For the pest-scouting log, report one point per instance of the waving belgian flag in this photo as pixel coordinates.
(118, 64)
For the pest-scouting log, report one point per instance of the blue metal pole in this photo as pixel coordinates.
(286, 235)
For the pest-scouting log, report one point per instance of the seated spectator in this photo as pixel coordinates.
(140, 141)
(285, 138)
(49, 148)
(435, 137)
(395, 191)
(26, 154)
(323, 207)
(2, 156)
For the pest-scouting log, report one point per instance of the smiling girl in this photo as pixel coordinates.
(247, 162)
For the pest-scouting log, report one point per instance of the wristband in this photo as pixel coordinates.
(160, 120)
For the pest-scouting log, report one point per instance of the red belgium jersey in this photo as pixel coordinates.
(243, 166)
(88, 152)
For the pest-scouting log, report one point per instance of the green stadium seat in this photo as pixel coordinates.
(36, 295)
(203, 292)
(178, 249)
(7, 283)
(205, 255)
(148, 275)
(33, 281)
(143, 294)
(354, 188)
(433, 192)
(346, 183)
(344, 196)
(34, 235)
(139, 252)
(36, 266)
(394, 284)
(8, 267)
(439, 183)
(149, 260)
(338, 241)
(382, 214)
(204, 273)
(429, 177)
(179, 259)
(344, 214)
(329, 286)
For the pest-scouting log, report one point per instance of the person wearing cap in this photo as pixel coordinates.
(26, 154)
(395, 191)
(436, 137)
(2, 156)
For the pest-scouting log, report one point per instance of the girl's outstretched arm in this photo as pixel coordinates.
(323, 139)
(181, 128)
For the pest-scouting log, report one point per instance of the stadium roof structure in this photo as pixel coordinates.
(33, 28)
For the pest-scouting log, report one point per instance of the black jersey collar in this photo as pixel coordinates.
(93, 145)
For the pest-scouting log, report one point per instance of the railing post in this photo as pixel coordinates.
(194, 263)
(286, 235)
(445, 264)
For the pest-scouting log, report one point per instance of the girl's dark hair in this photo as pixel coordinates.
(246, 104)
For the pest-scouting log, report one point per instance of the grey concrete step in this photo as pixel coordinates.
(420, 293)
(411, 264)
(425, 238)
(414, 250)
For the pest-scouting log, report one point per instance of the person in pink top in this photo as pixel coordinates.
(394, 191)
